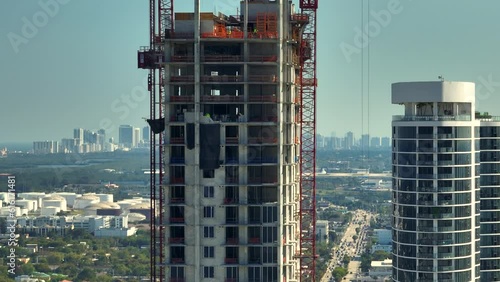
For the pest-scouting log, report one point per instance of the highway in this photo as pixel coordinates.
(349, 247)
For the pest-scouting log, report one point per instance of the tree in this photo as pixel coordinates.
(55, 258)
(338, 273)
(87, 274)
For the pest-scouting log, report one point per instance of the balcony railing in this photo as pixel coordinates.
(176, 140)
(221, 98)
(231, 260)
(262, 140)
(177, 200)
(177, 260)
(267, 98)
(221, 58)
(254, 240)
(232, 220)
(182, 99)
(272, 58)
(230, 201)
(263, 118)
(232, 241)
(176, 240)
(177, 279)
(185, 59)
(263, 78)
(177, 160)
(221, 78)
(262, 180)
(231, 161)
(431, 118)
(232, 140)
(232, 180)
(263, 160)
(177, 180)
(182, 78)
(177, 220)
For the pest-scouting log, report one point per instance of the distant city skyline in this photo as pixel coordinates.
(101, 87)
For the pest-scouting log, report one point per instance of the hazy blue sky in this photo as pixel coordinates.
(79, 66)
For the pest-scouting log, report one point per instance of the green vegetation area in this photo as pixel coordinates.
(51, 172)
(79, 256)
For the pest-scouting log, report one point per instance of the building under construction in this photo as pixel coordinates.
(233, 142)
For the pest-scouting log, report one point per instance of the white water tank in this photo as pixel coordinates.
(54, 200)
(136, 217)
(69, 196)
(27, 204)
(85, 201)
(48, 211)
(105, 197)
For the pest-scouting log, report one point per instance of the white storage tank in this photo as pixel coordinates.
(85, 201)
(26, 204)
(54, 200)
(108, 198)
(135, 217)
(126, 205)
(92, 209)
(70, 197)
(37, 196)
(5, 211)
(48, 211)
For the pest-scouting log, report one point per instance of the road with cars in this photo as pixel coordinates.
(349, 247)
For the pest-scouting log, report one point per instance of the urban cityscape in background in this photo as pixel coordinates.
(86, 141)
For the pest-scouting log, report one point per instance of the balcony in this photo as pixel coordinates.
(232, 220)
(231, 260)
(263, 78)
(446, 255)
(221, 78)
(263, 59)
(177, 280)
(231, 280)
(232, 241)
(232, 180)
(182, 99)
(176, 240)
(177, 160)
(262, 99)
(182, 59)
(229, 201)
(232, 140)
(177, 200)
(233, 161)
(254, 240)
(176, 140)
(426, 255)
(445, 268)
(177, 260)
(176, 220)
(182, 78)
(221, 58)
(263, 160)
(177, 180)
(262, 140)
(262, 180)
(262, 118)
(431, 118)
(221, 98)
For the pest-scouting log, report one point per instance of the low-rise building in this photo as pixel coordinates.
(381, 268)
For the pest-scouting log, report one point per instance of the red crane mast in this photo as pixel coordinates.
(308, 83)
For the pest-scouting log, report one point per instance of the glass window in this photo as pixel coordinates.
(208, 272)
(208, 191)
(407, 132)
(208, 212)
(208, 252)
(208, 231)
(463, 132)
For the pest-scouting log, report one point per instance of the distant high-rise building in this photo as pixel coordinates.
(126, 136)
(436, 192)
(386, 142)
(365, 141)
(101, 137)
(375, 142)
(45, 147)
(349, 140)
(145, 134)
(137, 137)
(78, 134)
